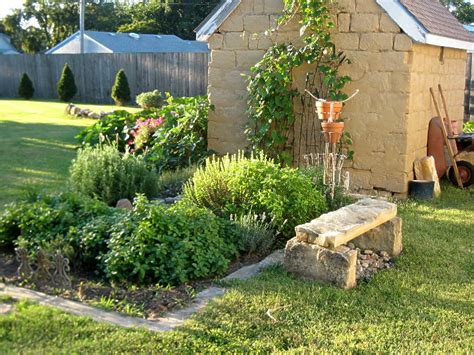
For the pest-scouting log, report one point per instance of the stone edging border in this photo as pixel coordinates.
(166, 323)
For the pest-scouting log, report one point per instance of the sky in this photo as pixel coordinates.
(7, 5)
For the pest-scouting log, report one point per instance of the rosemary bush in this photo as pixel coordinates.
(256, 233)
(104, 172)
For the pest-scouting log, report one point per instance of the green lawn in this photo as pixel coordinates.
(424, 304)
(37, 145)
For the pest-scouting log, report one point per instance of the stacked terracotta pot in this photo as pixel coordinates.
(329, 112)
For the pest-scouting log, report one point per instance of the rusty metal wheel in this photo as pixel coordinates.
(466, 172)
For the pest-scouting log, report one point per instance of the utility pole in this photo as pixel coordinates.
(82, 15)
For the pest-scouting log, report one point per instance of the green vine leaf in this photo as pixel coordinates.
(270, 86)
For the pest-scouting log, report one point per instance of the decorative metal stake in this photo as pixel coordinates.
(43, 265)
(24, 270)
(332, 164)
(62, 268)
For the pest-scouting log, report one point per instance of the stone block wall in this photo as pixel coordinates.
(238, 45)
(389, 118)
(430, 66)
(375, 118)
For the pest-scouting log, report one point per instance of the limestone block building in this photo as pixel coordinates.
(398, 48)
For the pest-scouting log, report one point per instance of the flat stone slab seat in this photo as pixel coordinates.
(337, 228)
(318, 251)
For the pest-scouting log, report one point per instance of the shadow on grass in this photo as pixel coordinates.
(34, 155)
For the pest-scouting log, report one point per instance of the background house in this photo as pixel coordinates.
(398, 48)
(5, 45)
(111, 42)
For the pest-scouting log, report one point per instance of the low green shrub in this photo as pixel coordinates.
(167, 245)
(152, 99)
(72, 223)
(172, 137)
(239, 185)
(109, 175)
(67, 85)
(26, 89)
(182, 138)
(121, 90)
(256, 233)
(170, 183)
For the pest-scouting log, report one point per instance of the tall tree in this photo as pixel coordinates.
(462, 9)
(41, 24)
(178, 17)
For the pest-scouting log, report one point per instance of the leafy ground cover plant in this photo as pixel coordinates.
(182, 138)
(110, 175)
(468, 127)
(168, 245)
(110, 129)
(239, 185)
(72, 223)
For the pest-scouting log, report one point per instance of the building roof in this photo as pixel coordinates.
(425, 21)
(437, 20)
(5, 45)
(135, 43)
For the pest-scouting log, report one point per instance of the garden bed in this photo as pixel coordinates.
(148, 302)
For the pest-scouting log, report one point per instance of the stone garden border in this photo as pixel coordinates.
(166, 323)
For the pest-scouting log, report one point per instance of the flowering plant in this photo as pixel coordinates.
(143, 131)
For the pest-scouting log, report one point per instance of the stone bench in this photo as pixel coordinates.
(318, 251)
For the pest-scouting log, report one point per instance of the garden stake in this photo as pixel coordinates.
(446, 141)
(24, 270)
(448, 120)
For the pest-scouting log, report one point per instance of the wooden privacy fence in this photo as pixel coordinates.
(181, 74)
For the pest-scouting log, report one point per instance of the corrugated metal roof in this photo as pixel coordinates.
(5, 46)
(137, 43)
(470, 28)
(437, 19)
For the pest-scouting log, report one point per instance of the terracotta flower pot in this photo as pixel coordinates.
(332, 131)
(329, 109)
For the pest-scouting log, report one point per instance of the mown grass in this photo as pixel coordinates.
(424, 304)
(37, 145)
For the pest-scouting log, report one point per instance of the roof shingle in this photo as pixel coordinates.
(437, 19)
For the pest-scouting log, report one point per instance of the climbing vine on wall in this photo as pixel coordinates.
(270, 85)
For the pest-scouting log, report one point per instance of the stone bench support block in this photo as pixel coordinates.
(386, 237)
(339, 227)
(313, 262)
